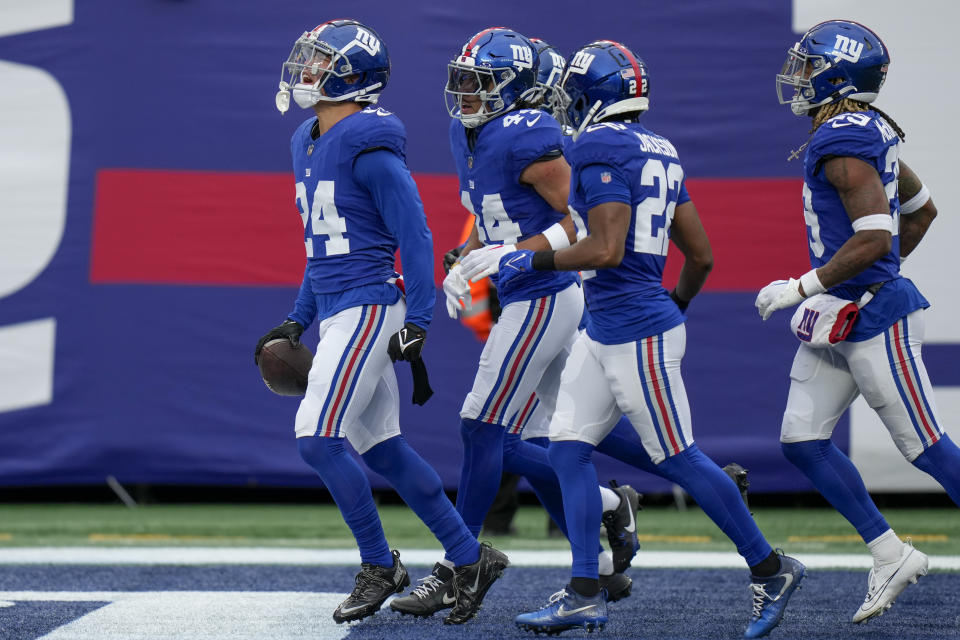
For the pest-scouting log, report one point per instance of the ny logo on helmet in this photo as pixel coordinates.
(366, 41)
(522, 55)
(847, 49)
(581, 62)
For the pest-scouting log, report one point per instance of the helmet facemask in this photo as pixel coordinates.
(477, 89)
(480, 89)
(795, 80)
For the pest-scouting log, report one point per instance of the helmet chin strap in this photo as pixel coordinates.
(587, 118)
(621, 106)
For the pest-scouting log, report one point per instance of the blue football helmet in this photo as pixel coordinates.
(496, 70)
(339, 61)
(602, 79)
(834, 60)
(549, 75)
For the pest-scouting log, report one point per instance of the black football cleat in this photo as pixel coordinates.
(434, 593)
(621, 525)
(472, 581)
(739, 476)
(374, 584)
(617, 586)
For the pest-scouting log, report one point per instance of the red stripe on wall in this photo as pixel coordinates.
(243, 229)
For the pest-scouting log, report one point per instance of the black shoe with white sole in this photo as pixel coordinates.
(617, 586)
(374, 584)
(434, 593)
(621, 525)
(472, 581)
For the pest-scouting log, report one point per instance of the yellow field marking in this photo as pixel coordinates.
(923, 537)
(665, 538)
(6, 536)
(151, 537)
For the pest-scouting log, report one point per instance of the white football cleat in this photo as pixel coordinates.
(886, 582)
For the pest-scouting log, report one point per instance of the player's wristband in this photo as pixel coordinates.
(556, 235)
(811, 284)
(916, 201)
(875, 221)
(543, 261)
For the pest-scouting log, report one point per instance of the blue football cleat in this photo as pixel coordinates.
(567, 609)
(770, 596)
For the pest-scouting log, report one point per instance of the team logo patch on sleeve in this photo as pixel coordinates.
(605, 177)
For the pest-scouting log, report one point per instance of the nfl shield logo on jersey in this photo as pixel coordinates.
(605, 177)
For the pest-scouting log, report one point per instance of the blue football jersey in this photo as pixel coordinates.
(867, 137)
(507, 211)
(628, 302)
(349, 247)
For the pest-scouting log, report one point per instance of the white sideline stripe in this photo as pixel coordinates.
(413, 557)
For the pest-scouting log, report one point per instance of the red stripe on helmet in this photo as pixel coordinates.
(633, 63)
(473, 41)
(320, 26)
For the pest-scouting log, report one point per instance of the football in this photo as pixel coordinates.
(284, 368)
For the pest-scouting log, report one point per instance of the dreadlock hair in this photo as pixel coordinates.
(827, 111)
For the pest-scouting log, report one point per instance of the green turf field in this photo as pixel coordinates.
(320, 526)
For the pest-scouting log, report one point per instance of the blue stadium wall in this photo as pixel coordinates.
(148, 234)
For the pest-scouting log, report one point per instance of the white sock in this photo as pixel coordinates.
(610, 498)
(447, 563)
(605, 559)
(886, 548)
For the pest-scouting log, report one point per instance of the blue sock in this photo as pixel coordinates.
(837, 480)
(719, 498)
(623, 444)
(348, 485)
(581, 502)
(420, 487)
(531, 462)
(942, 461)
(482, 468)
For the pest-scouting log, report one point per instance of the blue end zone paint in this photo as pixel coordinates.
(30, 620)
(665, 605)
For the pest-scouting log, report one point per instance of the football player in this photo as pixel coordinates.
(514, 180)
(358, 204)
(630, 184)
(865, 211)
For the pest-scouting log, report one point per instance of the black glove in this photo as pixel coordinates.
(291, 330)
(407, 343)
(449, 258)
(421, 382)
(682, 304)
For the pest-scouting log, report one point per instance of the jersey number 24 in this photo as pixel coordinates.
(324, 219)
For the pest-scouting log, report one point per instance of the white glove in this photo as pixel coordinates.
(456, 288)
(485, 261)
(779, 294)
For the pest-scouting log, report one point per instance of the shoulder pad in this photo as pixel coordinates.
(375, 127)
(524, 119)
(857, 135)
(601, 143)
